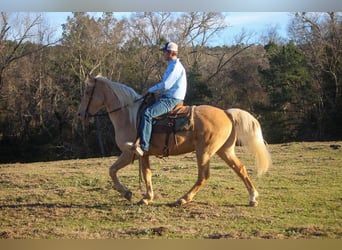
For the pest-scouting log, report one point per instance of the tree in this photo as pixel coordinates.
(16, 34)
(94, 45)
(198, 91)
(319, 36)
(245, 89)
(147, 32)
(293, 88)
(288, 84)
(26, 104)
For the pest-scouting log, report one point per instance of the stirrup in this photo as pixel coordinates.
(134, 147)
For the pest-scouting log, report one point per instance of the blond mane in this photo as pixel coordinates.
(126, 95)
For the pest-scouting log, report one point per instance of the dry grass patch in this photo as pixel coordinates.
(300, 197)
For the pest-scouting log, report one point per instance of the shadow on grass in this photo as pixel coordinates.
(110, 205)
(56, 205)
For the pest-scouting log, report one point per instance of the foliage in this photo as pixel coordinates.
(293, 88)
(319, 36)
(287, 82)
(198, 91)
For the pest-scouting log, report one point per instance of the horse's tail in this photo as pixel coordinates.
(248, 133)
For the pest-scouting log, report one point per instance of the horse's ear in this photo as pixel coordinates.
(89, 78)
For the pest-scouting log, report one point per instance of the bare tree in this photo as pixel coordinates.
(319, 35)
(192, 31)
(93, 44)
(18, 31)
(195, 31)
(271, 34)
(147, 32)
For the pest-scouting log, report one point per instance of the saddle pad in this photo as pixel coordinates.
(179, 119)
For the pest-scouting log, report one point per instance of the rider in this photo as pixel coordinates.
(172, 89)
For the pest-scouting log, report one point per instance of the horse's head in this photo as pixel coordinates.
(92, 100)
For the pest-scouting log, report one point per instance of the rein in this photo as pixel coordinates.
(109, 112)
(112, 111)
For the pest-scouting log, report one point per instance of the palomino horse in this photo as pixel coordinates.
(215, 131)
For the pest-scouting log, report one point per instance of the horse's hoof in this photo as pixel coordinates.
(128, 195)
(180, 202)
(253, 203)
(143, 202)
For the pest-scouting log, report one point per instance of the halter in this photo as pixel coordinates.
(112, 111)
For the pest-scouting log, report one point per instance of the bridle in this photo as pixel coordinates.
(90, 99)
(112, 111)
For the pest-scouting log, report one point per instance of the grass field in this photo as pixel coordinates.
(300, 197)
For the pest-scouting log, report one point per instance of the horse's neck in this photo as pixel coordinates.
(124, 116)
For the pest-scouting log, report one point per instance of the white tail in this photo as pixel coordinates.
(248, 132)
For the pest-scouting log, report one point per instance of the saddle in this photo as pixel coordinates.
(180, 118)
(174, 121)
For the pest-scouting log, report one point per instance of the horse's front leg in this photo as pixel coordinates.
(144, 163)
(124, 159)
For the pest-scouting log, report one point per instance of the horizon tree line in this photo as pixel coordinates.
(293, 87)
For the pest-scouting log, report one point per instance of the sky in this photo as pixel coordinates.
(253, 22)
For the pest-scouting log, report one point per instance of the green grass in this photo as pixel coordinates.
(300, 197)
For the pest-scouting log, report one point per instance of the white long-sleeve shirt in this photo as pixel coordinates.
(174, 83)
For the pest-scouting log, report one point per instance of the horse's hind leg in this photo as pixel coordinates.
(203, 176)
(233, 161)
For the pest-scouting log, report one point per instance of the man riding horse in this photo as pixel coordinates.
(172, 89)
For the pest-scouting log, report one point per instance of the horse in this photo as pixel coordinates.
(215, 131)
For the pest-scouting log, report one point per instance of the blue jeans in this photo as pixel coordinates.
(162, 106)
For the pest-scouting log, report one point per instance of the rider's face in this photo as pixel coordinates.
(166, 55)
